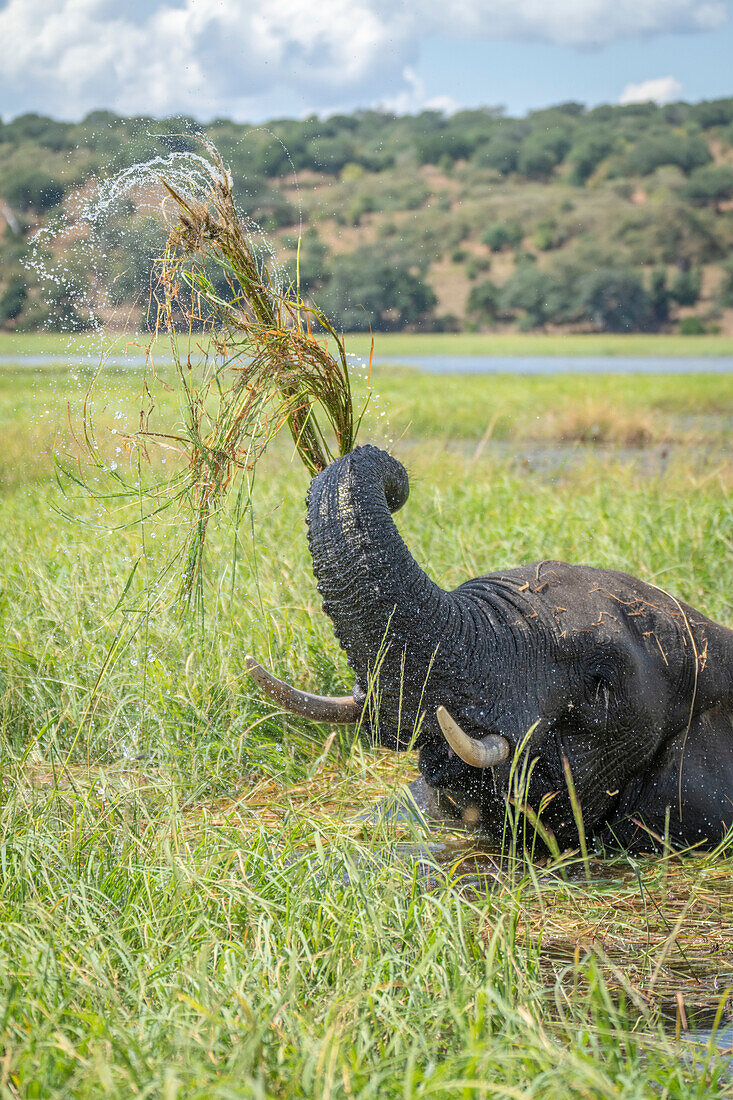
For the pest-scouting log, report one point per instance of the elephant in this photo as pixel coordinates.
(615, 696)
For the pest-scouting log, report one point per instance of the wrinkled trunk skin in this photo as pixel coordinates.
(618, 681)
(384, 608)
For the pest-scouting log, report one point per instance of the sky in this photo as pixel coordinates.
(253, 60)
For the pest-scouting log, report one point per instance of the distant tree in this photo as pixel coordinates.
(13, 299)
(32, 189)
(710, 186)
(725, 290)
(615, 301)
(483, 302)
(501, 154)
(685, 288)
(585, 157)
(659, 295)
(432, 148)
(713, 112)
(542, 151)
(38, 130)
(687, 151)
(368, 287)
(529, 292)
(499, 235)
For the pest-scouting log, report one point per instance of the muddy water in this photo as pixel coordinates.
(474, 868)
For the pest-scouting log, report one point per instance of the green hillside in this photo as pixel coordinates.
(614, 219)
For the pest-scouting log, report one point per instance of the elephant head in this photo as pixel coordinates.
(627, 691)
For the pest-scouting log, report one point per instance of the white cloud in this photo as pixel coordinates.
(663, 89)
(413, 97)
(233, 56)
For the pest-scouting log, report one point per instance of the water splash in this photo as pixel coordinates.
(100, 252)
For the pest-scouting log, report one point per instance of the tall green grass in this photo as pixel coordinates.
(190, 903)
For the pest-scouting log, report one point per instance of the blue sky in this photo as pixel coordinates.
(258, 59)
(523, 75)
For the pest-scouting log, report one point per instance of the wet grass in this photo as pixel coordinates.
(190, 902)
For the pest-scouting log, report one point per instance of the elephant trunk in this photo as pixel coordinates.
(388, 615)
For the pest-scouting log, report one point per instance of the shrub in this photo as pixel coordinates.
(529, 292)
(32, 188)
(547, 236)
(541, 152)
(685, 289)
(615, 301)
(710, 185)
(725, 290)
(713, 112)
(659, 295)
(691, 326)
(501, 235)
(686, 151)
(368, 287)
(13, 299)
(433, 148)
(483, 301)
(586, 156)
(501, 154)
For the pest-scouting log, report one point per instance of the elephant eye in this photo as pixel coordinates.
(604, 672)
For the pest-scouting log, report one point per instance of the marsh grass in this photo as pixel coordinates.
(191, 903)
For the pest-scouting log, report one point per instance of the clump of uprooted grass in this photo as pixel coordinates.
(265, 368)
(251, 359)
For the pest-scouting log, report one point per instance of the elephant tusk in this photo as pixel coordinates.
(321, 708)
(485, 752)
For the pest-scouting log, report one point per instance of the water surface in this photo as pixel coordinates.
(556, 364)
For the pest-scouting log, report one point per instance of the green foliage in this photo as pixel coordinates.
(542, 151)
(43, 131)
(659, 295)
(432, 148)
(587, 155)
(357, 170)
(687, 151)
(685, 288)
(500, 235)
(715, 112)
(483, 302)
(691, 326)
(725, 290)
(13, 298)
(615, 301)
(32, 188)
(369, 288)
(530, 292)
(314, 268)
(501, 154)
(547, 236)
(710, 185)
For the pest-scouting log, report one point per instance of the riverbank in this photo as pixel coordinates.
(400, 344)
